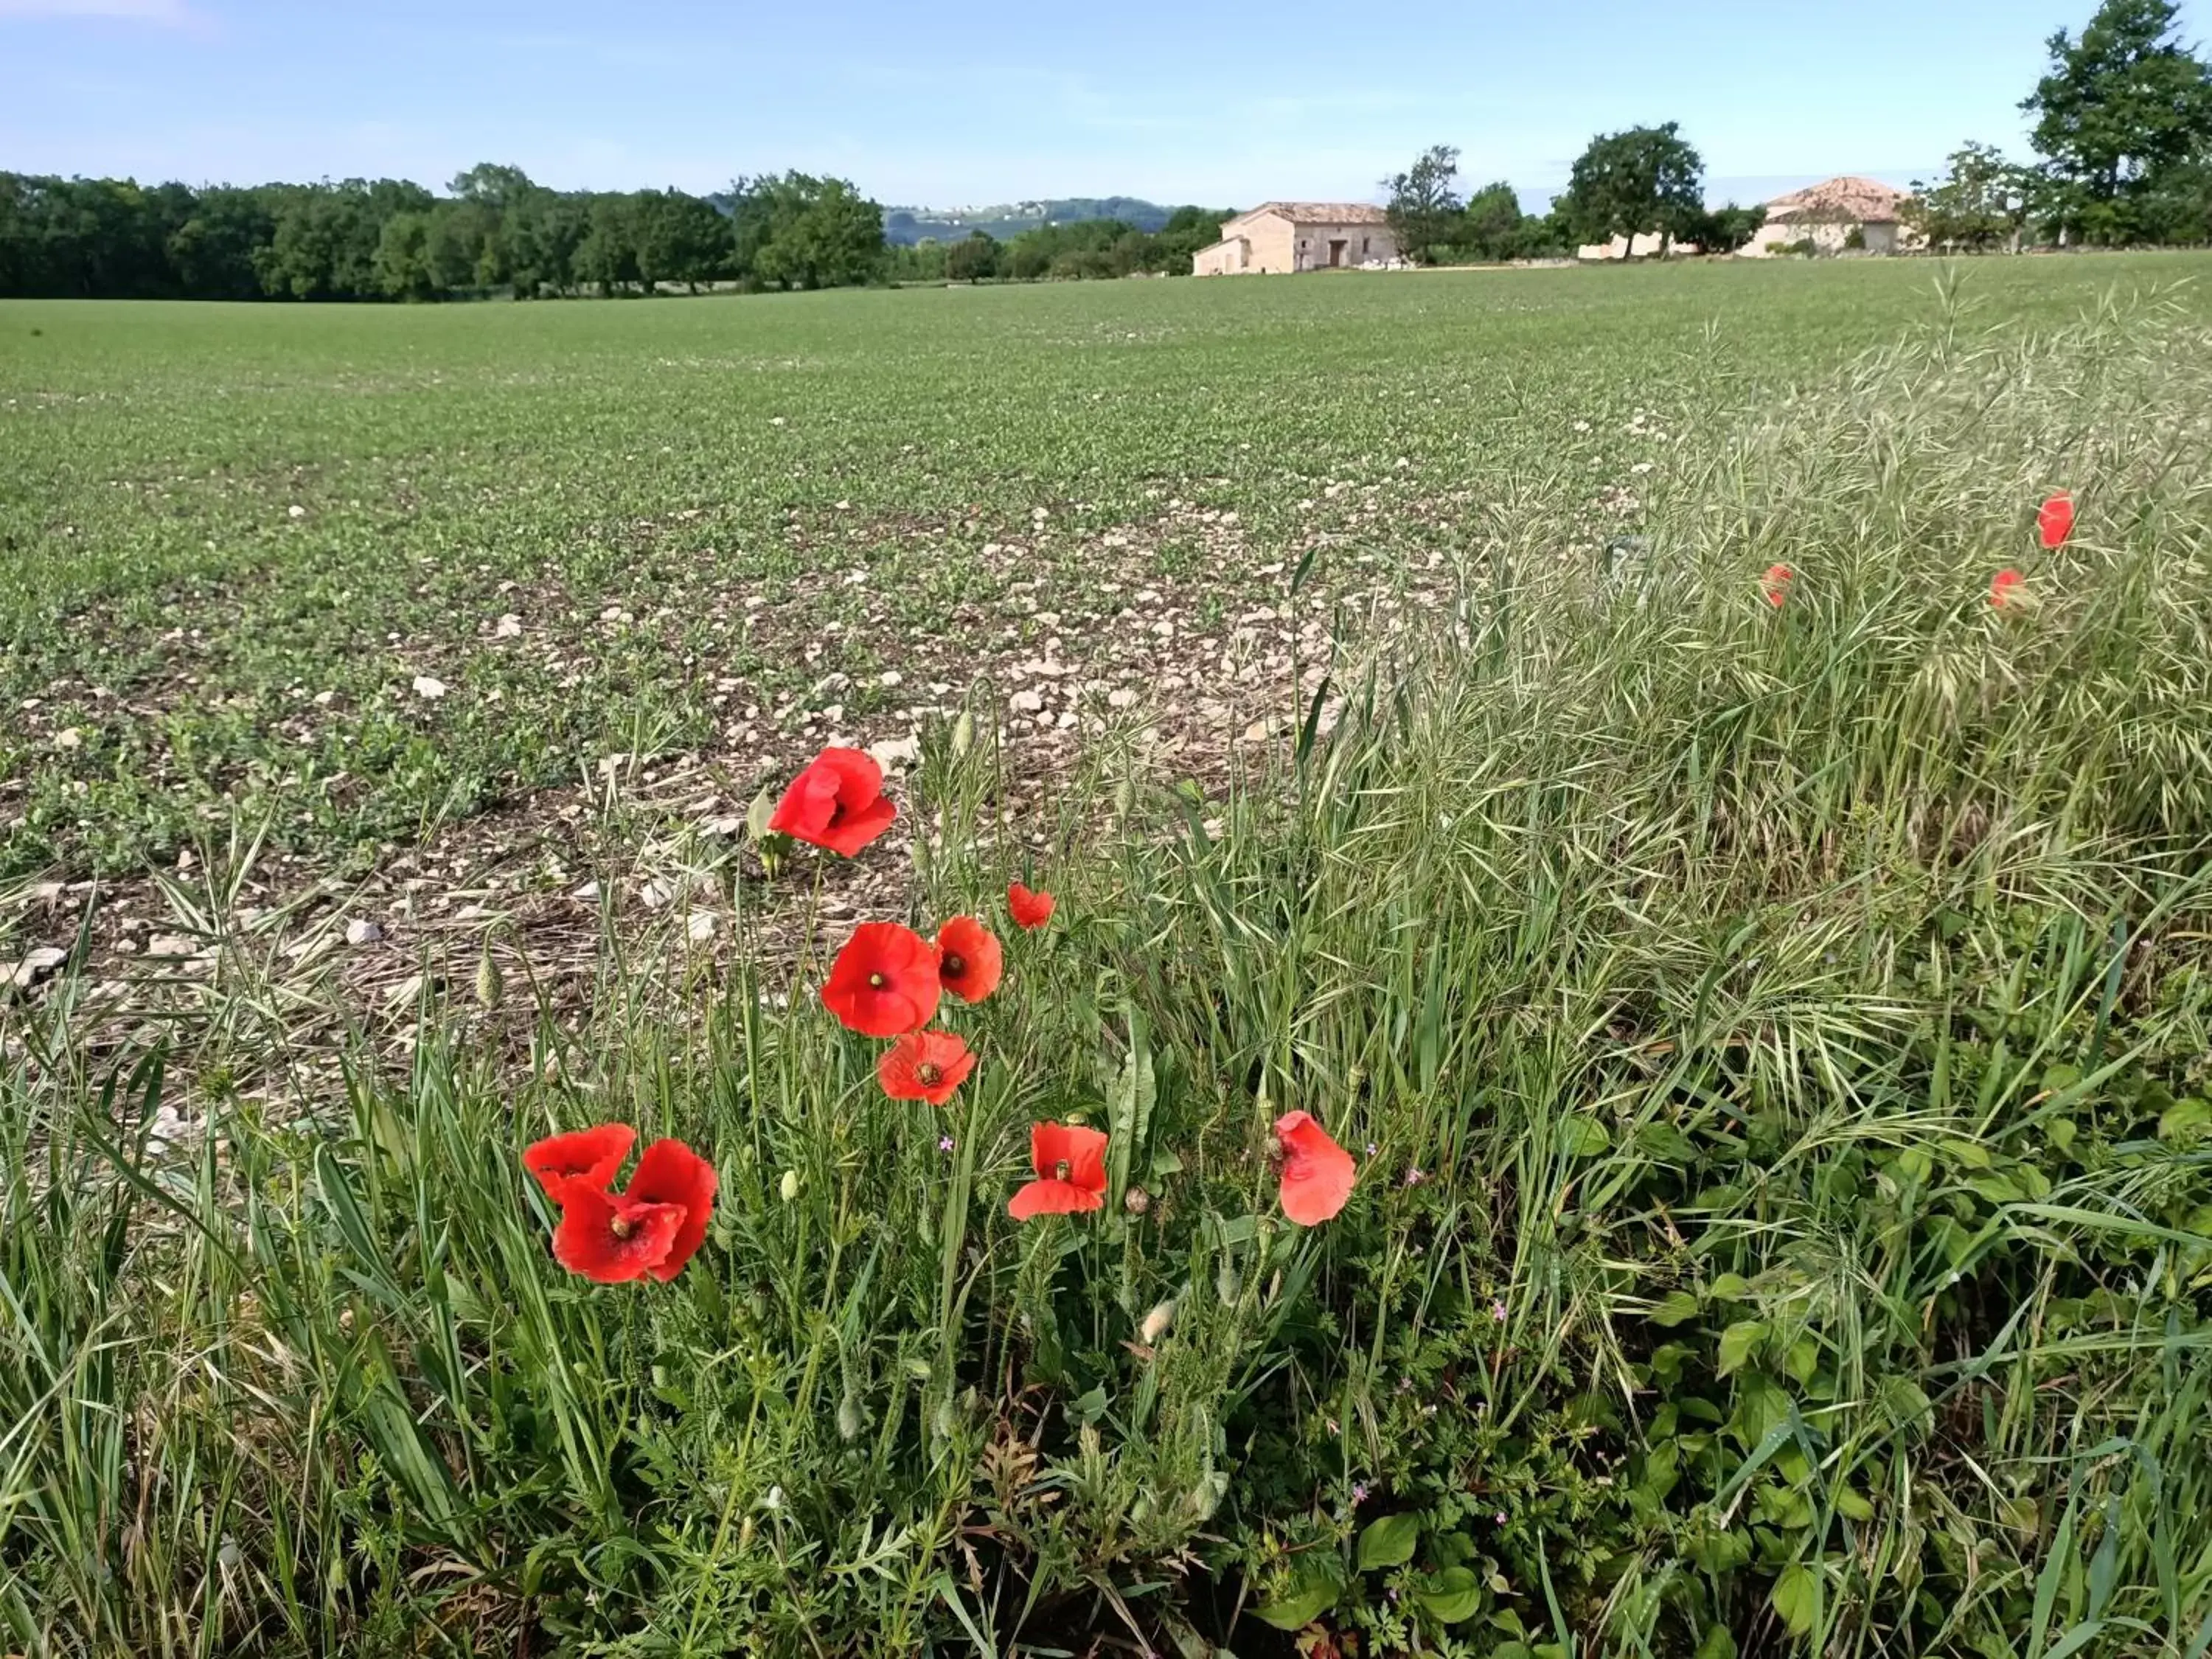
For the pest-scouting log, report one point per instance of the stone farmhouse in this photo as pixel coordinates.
(1287, 236)
(1827, 215)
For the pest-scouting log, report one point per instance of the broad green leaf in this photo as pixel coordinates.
(1803, 1359)
(1389, 1542)
(1797, 1597)
(1584, 1137)
(1312, 1597)
(1761, 1408)
(1664, 1144)
(2183, 1117)
(1676, 1308)
(1452, 1595)
(1739, 1341)
(1719, 1642)
(1968, 1154)
(1731, 1287)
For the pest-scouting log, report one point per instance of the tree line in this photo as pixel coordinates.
(390, 239)
(1643, 180)
(1646, 180)
(497, 231)
(1079, 249)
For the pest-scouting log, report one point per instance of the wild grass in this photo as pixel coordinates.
(1776, 1043)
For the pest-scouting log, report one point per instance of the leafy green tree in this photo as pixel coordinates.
(543, 231)
(799, 231)
(822, 233)
(607, 253)
(1725, 229)
(680, 238)
(1423, 210)
(212, 250)
(324, 245)
(1492, 226)
(972, 259)
(1187, 229)
(2177, 208)
(1980, 202)
(405, 267)
(1647, 179)
(2119, 108)
(501, 188)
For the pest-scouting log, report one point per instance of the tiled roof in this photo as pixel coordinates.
(1847, 200)
(1322, 213)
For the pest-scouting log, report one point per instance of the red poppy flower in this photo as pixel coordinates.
(2054, 520)
(1027, 908)
(586, 1157)
(1317, 1173)
(1071, 1166)
(2005, 587)
(1775, 583)
(611, 1238)
(837, 802)
(925, 1066)
(969, 960)
(884, 981)
(671, 1173)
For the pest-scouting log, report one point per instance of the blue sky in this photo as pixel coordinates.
(952, 104)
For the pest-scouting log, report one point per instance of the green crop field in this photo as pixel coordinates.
(1774, 1040)
(213, 516)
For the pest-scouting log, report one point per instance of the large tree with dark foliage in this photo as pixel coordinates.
(1423, 209)
(1980, 202)
(1493, 228)
(2121, 109)
(1647, 179)
(799, 231)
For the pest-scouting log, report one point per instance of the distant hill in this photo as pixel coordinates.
(909, 225)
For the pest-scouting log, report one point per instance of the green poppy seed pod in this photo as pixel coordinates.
(963, 735)
(491, 985)
(946, 1419)
(1125, 797)
(1227, 1283)
(788, 1186)
(850, 1420)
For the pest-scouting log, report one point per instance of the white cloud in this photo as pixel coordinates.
(137, 11)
